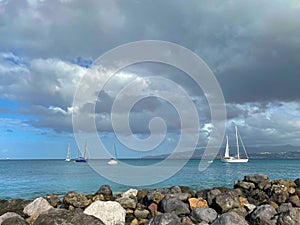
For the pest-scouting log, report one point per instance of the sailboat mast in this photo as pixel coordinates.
(68, 155)
(237, 142)
(85, 149)
(115, 151)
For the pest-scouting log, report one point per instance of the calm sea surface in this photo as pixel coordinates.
(31, 178)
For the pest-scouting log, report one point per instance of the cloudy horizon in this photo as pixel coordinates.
(46, 47)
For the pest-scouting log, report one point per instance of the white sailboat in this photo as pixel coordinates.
(235, 159)
(113, 161)
(68, 159)
(84, 157)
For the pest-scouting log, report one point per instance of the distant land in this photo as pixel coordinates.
(259, 152)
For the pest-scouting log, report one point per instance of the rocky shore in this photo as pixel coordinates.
(254, 200)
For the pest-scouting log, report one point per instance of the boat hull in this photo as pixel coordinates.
(81, 160)
(112, 162)
(68, 160)
(234, 160)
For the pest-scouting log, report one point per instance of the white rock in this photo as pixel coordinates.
(111, 213)
(130, 193)
(8, 215)
(38, 206)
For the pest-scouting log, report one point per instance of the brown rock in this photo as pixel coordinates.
(153, 209)
(98, 198)
(186, 221)
(106, 192)
(294, 199)
(134, 222)
(76, 200)
(243, 201)
(141, 195)
(291, 190)
(197, 203)
(143, 221)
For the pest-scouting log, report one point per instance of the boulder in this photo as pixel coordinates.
(141, 195)
(173, 205)
(127, 203)
(153, 209)
(165, 219)
(291, 217)
(297, 182)
(230, 218)
(8, 215)
(256, 178)
(244, 185)
(294, 199)
(258, 197)
(14, 221)
(263, 215)
(13, 205)
(186, 221)
(204, 214)
(211, 195)
(284, 207)
(249, 207)
(36, 207)
(197, 203)
(109, 212)
(141, 213)
(186, 189)
(66, 217)
(53, 199)
(131, 193)
(202, 193)
(175, 190)
(106, 192)
(76, 200)
(180, 196)
(226, 201)
(241, 211)
(154, 196)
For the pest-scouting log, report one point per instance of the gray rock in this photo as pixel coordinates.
(284, 207)
(14, 221)
(230, 218)
(66, 217)
(256, 178)
(53, 199)
(244, 185)
(291, 217)
(211, 195)
(175, 190)
(109, 212)
(141, 213)
(204, 214)
(226, 201)
(36, 207)
(202, 193)
(165, 219)
(127, 203)
(13, 205)
(173, 205)
(105, 191)
(180, 196)
(8, 215)
(263, 215)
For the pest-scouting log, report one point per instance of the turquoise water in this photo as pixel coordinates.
(31, 178)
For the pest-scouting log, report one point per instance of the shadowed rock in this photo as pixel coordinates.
(165, 219)
(230, 218)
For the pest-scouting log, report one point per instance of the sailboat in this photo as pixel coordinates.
(236, 159)
(113, 161)
(68, 159)
(84, 157)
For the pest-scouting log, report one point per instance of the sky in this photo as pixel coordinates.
(48, 46)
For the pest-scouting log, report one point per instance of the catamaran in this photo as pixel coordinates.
(113, 161)
(68, 159)
(84, 157)
(235, 159)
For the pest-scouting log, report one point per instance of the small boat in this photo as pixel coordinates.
(113, 161)
(84, 157)
(68, 159)
(235, 159)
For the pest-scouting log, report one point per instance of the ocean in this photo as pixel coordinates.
(32, 178)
